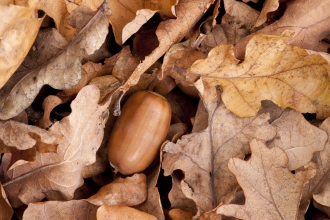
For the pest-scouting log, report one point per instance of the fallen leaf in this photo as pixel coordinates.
(188, 13)
(61, 72)
(177, 214)
(298, 138)
(271, 190)
(122, 212)
(203, 156)
(49, 103)
(272, 70)
(127, 191)
(5, 208)
(59, 174)
(268, 7)
(53, 210)
(19, 27)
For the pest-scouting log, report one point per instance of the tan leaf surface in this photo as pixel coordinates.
(269, 6)
(127, 191)
(22, 136)
(272, 70)
(320, 184)
(177, 214)
(309, 20)
(122, 212)
(59, 174)
(61, 72)
(54, 210)
(19, 27)
(169, 32)
(5, 208)
(271, 190)
(203, 156)
(298, 138)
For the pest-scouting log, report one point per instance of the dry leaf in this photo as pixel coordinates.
(298, 138)
(19, 27)
(178, 214)
(59, 174)
(271, 190)
(5, 208)
(127, 191)
(122, 212)
(61, 72)
(272, 70)
(203, 156)
(269, 6)
(53, 210)
(169, 32)
(49, 103)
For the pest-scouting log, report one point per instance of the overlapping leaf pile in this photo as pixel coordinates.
(239, 76)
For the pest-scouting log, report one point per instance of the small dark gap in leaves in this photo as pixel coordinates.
(41, 13)
(247, 157)
(309, 116)
(222, 12)
(111, 43)
(293, 171)
(258, 6)
(164, 184)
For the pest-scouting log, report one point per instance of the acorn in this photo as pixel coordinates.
(139, 132)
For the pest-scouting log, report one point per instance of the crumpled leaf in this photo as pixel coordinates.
(309, 20)
(271, 190)
(129, 16)
(203, 156)
(49, 103)
(188, 13)
(272, 70)
(268, 6)
(61, 72)
(19, 27)
(5, 208)
(53, 210)
(22, 136)
(122, 212)
(127, 191)
(298, 138)
(59, 174)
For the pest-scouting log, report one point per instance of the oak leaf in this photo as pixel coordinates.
(203, 156)
(19, 27)
(298, 138)
(60, 72)
(127, 191)
(271, 190)
(5, 208)
(122, 212)
(53, 210)
(59, 174)
(272, 70)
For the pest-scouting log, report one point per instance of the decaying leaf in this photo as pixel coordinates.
(269, 6)
(48, 105)
(19, 27)
(61, 72)
(122, 212)
(5, 208)
(59, 174)
(53, 210)
(271, 70)
(203, 156)
(127, 191)
(271, 190)
(298, 138)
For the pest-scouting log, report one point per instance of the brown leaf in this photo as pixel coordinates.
(271, 190)
(127, 191)
(308, 20)
(5, 208)
(272, 70)
(298, 138)
(59, 174)
(188, 13)
(203, 156)
(269, 6)
(178, 214)
(122, 212)
(19, 27)
(53, 210)
(49, 103)
(61, 72)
